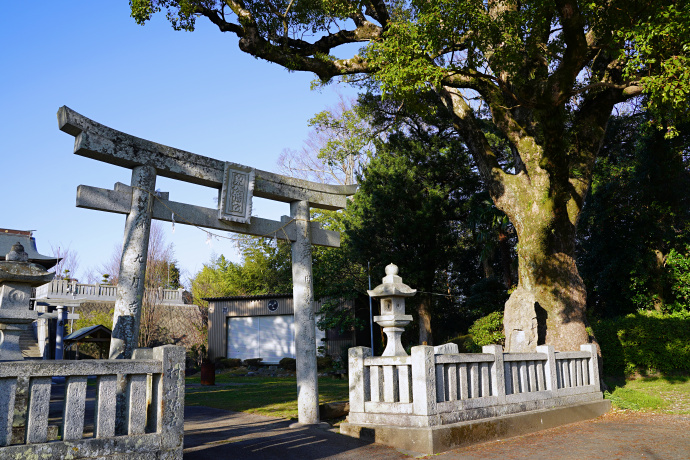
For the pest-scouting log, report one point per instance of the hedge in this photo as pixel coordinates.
(645, 342)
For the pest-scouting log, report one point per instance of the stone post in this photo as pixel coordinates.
(303, 302)
(168, 397)
(423, 380)
(593, 367)
(130, 284)
(550, 367)
(498, 380)
(358, 375)
(60, 332)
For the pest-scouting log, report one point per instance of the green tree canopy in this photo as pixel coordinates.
(542, 76)
(636, 225)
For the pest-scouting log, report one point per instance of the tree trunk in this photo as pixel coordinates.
(425, 336)
(504, 251)
(548, 306)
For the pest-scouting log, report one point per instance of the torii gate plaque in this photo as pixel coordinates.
(236, 184)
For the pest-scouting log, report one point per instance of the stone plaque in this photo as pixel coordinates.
(236, 195)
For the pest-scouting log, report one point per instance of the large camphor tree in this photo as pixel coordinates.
(531, 85)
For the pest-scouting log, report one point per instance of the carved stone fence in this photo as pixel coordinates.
(63, 289)
(151, 427)
(427, 389)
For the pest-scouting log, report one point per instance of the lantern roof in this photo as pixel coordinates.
(392, 285)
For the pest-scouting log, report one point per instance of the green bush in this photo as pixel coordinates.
(289, 364)
(645, 342)
(253, 362)
(228, 363)
(465, 343)
(487, 330)
(324, 362)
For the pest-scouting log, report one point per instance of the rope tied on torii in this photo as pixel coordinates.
(237, 184)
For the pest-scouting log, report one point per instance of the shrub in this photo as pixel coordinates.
(486, 331)
(324, 362)
(464, 342)
(228, 363)
(253, 362)
(644, 342)
(289, 364)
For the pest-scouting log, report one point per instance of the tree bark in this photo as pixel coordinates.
(548, 306)
(425, 336)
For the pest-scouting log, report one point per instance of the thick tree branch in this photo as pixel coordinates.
(377, 10)
(574, 56)
(295, 54)
(463, 119)
(589, 126)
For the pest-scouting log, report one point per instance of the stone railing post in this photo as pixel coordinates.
(423, 380)
(550, 368)
(498, 379)
(593, 364)
(168, 396)
(358, 377)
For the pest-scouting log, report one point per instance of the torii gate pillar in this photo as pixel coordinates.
(303, 302)
(131, 281)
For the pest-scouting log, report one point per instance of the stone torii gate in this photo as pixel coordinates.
(236, 185)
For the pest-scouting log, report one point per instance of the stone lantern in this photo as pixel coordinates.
(17, 277)
(392, 293)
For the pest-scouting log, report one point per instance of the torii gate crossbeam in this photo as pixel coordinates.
(236, 184)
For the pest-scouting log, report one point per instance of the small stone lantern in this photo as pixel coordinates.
(392, 293)
(17, 277)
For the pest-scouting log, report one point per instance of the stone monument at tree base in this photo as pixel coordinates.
(438, 399)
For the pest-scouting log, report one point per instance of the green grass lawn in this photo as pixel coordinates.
(669, 395)
(270, 396)
(277, 396)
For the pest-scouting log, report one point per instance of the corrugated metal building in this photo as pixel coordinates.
(262, 326)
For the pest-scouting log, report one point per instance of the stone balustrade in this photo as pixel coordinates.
(63, 289)
(152, 426)
(428, 389)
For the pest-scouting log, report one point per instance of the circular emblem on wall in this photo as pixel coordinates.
(272, 305)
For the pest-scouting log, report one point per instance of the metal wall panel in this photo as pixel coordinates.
(227, 307)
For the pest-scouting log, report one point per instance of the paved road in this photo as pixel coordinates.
(213, 434)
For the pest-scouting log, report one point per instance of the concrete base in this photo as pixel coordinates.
(437, 439)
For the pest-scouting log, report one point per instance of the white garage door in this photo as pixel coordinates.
(271, 338)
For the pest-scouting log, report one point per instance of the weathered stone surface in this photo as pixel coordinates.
(521, 314)
(437, 439)
(17, 277)
(37, 418)
(305, 332)
(392, 292)
(94, 140)
(236, 194)
(167, 367)
(446, 349)
(119, 201)
(130, 285)
(73, 411)
(8, 390)
(104, 417)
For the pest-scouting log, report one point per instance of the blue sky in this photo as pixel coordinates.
(194, 91)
